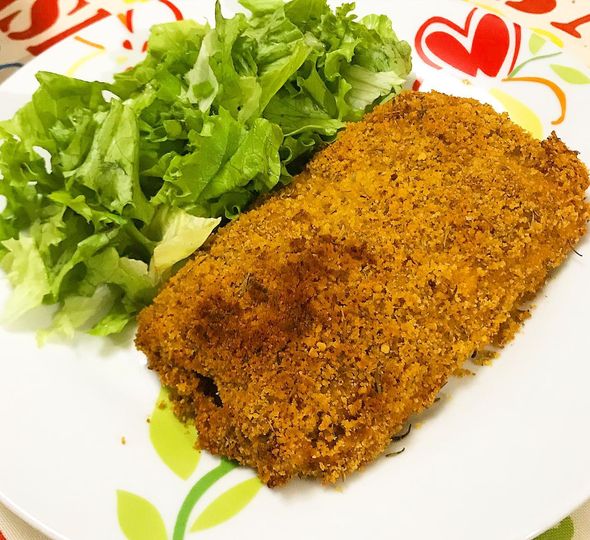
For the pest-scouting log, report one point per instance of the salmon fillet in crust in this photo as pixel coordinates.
(306, 332)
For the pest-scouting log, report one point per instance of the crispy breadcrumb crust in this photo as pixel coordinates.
(308, 330)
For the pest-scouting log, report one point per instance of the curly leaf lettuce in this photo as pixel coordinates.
(109, 187)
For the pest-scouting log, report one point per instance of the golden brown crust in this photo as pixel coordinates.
(333, 311)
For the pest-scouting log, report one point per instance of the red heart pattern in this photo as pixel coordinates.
(440, 40)
(533, 6)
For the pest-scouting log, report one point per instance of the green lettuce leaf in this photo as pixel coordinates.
(182, 235)
(111, 166)
(366, 87)
(76, 312)
(27, 274)
(60, 107)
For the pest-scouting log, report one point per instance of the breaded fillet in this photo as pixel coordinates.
(308, 330)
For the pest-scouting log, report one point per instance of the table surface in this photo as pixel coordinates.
(569, 20)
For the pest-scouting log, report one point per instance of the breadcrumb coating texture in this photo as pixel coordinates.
(310, 329)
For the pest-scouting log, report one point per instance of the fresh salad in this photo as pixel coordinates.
(108, 187)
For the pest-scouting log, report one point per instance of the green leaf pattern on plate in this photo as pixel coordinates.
(227, 505)
(536, 42)
(139, 519)
(173, 441)
(175, 444)
(563, 531)
(570, 74)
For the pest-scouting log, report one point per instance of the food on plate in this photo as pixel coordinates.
(306, 333)
(109, 186)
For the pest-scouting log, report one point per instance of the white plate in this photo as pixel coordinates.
(504, 456)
